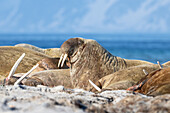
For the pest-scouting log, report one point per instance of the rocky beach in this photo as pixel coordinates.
(26, 99)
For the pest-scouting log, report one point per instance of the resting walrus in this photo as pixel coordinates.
(50, 78)
(166, 64)
(50, 63)
(52, 52)
(89, 60)
(125, 78)
(9, 56)
(155, 83)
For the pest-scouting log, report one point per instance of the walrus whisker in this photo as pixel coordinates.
(26, 74)
(65, 56)
(61, 57)
(160, 66)
(94, 85)
(15, 66)
(145, 72)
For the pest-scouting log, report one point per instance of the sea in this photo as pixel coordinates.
(148, 47)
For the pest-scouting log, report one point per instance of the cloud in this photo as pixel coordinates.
(134, 20)
(12, 14)
(96, 15)
(58, 19)
(139, 19)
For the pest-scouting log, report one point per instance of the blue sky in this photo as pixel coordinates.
(85, 16)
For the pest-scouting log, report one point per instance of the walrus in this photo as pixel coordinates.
(166, 64)
(52, 52)
(124, 78)
(155, 83)
(89, 60)
(50, 64)
(44, 64)
(10, 54)
(50, 78)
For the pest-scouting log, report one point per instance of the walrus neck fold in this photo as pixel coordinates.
(113, 62)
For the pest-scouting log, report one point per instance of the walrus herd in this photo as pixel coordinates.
(81, 61)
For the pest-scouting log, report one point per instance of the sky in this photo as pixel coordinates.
(85, 16)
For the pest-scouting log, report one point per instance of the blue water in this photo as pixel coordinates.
(147, 47)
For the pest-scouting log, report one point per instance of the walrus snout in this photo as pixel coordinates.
(69, 49)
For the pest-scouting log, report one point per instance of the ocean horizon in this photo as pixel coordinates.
(148, 47)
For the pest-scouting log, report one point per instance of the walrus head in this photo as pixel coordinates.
(89, 60)
(70, 49)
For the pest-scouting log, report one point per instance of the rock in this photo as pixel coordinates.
(26, 99)
(138, 104)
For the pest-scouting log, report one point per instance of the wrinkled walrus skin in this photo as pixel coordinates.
(157, 83)
(89, 60)
(125, 78)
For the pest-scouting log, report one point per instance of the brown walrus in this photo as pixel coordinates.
(9, 56)
(44, 64)
(89, 60)
(52, 52)
(50, 63)
(155, 83)
(125, 78)
(166, 64)
(48, 78)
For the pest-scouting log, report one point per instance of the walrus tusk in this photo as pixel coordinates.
(15, 66)
(146, 73)
(26, 74)
(94, 85)
(65, 56)
(160, 66)
(61, 57)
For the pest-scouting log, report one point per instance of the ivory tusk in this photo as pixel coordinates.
(146, 73)
(61, 57)
(94, 85)
(15, 66)
(65, 56)
(160, 66)
(26, 74)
